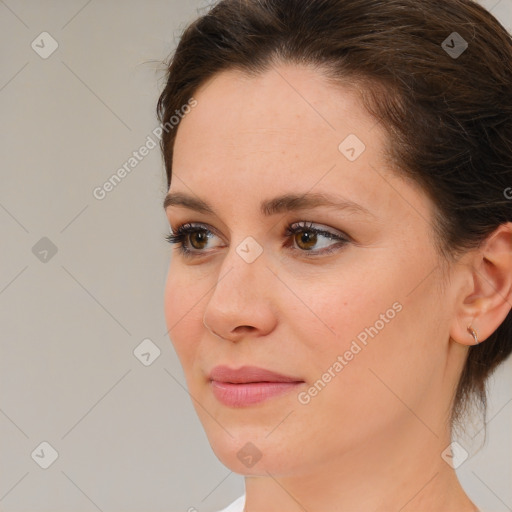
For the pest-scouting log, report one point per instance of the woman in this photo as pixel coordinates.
(341, 283)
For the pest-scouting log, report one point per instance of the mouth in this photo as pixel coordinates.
(249, 385)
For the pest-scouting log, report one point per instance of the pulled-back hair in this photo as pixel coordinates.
(448, 112)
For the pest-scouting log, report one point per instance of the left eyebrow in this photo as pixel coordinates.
(277, 205)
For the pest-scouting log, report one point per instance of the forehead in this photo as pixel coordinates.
(288, 116)
(286, 103)
(285, 130)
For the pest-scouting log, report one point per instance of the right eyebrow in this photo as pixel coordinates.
(277, 205)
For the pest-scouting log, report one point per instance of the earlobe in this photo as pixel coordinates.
(470, 335)
(489, 301)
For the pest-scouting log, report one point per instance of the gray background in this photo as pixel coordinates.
(126, 434)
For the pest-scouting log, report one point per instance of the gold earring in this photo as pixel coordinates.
(473, 333)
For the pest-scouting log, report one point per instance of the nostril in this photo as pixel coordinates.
(244, 328)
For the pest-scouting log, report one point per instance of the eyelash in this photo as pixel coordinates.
(182, 232)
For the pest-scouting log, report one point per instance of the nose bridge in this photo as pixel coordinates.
(240, 296)
(242, 271)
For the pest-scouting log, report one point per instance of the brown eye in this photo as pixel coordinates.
(311, 241)
(191, 239)
(197, 238)
(306, 239)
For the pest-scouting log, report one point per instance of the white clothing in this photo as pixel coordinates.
(236, 506)
(239, 503)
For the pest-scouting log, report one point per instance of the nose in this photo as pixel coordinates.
(241, 304)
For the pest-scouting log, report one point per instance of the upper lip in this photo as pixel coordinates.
(247, 374)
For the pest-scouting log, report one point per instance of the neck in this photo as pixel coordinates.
(400, 471)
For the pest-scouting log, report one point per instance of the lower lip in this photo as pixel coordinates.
(240, 395)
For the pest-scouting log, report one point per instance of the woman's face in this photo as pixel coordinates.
(352, 321)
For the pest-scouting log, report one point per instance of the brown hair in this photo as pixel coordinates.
(448, 115)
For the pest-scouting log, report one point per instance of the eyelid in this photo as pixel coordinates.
(320, 228)
(196, 226)
(183, 231)
(339, 238)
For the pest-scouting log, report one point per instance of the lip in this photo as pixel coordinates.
(248, 374)
(249, 385)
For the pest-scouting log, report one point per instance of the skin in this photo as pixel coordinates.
(372, 438)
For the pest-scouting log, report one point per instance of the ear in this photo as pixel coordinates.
(486, 298)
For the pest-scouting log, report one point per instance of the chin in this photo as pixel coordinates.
(250, 453)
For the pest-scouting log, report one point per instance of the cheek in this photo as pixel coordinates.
(182, 310)
(373, 321)
(339, 307)
(390, 350)
(174, 292)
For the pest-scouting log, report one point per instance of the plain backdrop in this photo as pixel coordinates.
(82, 278)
